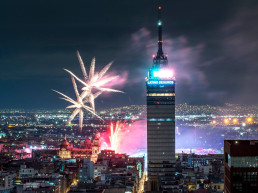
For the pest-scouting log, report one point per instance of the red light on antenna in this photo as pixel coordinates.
(153, 55)
(159, 8)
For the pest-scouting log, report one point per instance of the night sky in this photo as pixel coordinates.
(212, 45)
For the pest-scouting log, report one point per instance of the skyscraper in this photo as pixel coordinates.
(241, 166)
(160, 85)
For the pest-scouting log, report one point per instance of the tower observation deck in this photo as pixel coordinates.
(160, 85)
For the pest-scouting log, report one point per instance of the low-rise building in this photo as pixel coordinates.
(27, 172)
(6, 182)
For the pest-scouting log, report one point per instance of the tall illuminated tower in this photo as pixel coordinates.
(160, 85)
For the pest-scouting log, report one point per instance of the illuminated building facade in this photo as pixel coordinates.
(65, 150)
(241, 166)
(95, 147)
(160, 85)
(90, 149)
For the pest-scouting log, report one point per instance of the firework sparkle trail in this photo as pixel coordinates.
(114, 139)
(78, 105)
(95, 81)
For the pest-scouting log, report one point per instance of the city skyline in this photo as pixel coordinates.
(175, 111)
(214, 55)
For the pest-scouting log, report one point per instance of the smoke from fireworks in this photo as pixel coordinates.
(93, 81)
(130, 139)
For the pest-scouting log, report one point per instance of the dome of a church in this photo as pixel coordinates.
(65, 144)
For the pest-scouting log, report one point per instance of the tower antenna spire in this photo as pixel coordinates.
(160, 58)
(160, 51)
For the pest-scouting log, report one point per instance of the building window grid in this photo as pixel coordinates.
(250, 176)
(244, 162)
(237, 187)
(244, 176)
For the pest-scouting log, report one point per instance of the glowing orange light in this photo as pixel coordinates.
(235, 120)
(159, 7)
(226, 121)
(213, 122)
(249, 119)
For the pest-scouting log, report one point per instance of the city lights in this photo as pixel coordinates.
(249, 120)
(226, 121)
(187, 123)
(196, 124)
(235, 120)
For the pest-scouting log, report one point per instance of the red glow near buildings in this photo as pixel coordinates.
(129, 138)
(113, 136)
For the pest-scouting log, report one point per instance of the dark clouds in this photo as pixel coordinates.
(211, 44)
(240, 46)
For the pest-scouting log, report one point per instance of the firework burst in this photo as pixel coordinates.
(79, 105)
(93, 81)
(114, 139)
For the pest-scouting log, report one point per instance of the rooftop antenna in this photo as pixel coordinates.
(160, 51)
(160, 58)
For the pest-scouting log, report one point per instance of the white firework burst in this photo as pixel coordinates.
(93, 81)
(79, 105)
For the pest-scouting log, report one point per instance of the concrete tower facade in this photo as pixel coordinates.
(160, 85)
